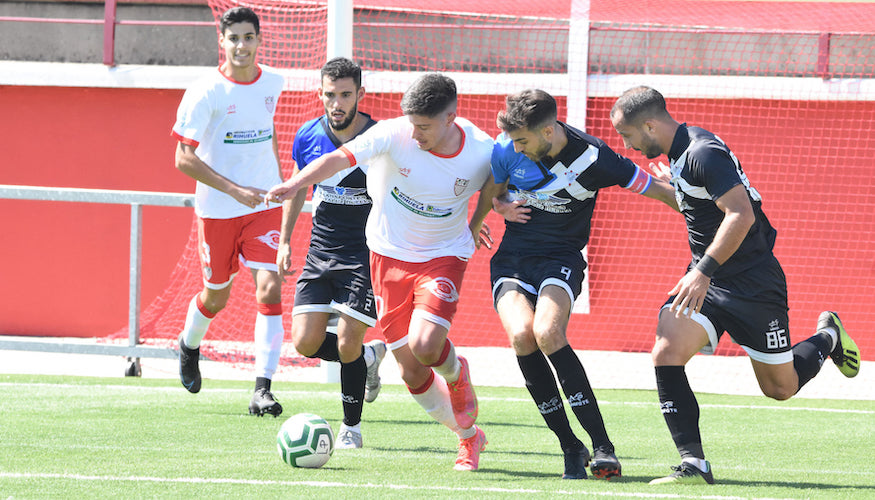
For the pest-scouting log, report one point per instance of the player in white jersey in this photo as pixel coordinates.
(423, 169)
(227, 142)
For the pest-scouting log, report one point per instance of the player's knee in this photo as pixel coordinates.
(349, 351)
(306, 343)
(523, 341)
(214, 302)
(268, 292)
(778, 391)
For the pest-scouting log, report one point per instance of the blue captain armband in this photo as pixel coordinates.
(640, 181)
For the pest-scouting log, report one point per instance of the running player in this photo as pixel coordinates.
(336, 278)
(552, 174)
(227, 142)
(423, 169)
(734, 282)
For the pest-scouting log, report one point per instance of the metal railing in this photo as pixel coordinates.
(136, 199)
(109, 22)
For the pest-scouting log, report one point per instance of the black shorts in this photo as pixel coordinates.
(328, 284)
(752, 308)
(529, 274)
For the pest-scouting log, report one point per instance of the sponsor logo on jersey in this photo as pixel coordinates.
(248, 136)
(541, 201)
(269, 103)
(271, 239)
(405, 171)
(443, 288)
(339, 195)
(231, 109)
(419, 208)
(460, 186)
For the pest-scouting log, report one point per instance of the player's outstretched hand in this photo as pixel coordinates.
(512, 211)
(661, 171)
(279, 193)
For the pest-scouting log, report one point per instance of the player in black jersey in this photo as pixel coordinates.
(551, 173)
(733, 284)
(336, 279)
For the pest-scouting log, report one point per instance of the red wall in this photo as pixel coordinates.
(64, 266)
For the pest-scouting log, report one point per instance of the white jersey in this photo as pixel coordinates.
(232, 126)
(420, 209)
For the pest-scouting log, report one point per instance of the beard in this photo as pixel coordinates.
(346, 122)
(651, 150)
(541, 152)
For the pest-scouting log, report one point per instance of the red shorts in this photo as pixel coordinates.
(223, 243)
(430, 288)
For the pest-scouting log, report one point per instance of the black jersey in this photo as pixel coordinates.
(340, 203)
(560, 191)
(703, 169)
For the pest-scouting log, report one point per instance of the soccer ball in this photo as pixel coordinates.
(305, 440)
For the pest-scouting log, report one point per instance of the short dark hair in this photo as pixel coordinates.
(341, 67)
(430, 95)
(236, 15)
(640, 103)
(529, 109)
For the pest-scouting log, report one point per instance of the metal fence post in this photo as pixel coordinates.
(109, 32)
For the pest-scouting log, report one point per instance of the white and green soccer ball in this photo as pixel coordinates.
(305, 440)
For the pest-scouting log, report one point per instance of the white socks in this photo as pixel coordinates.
(268, 344)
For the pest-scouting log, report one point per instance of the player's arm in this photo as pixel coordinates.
(511, 210)
(276, 152)
(188, 163)
(479, 229)
(664, 192)
(318, 170)
(738, 218)
(291, 210)
(654, 187)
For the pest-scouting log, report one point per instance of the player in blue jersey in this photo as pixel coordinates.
(336, 278)
(552, 174)
(733, 284)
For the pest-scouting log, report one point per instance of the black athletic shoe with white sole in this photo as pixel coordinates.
(264, 402)
(687, 473)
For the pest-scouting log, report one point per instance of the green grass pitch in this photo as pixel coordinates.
(76, 437)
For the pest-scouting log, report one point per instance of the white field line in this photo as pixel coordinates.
(346, 486)
(116, 389)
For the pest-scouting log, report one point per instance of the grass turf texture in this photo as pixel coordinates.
(76, 437)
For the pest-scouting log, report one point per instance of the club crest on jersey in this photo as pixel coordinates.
(269, 103)
(271, 239)
(443, 288)
(460, 186)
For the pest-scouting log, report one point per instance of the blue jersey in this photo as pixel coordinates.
(340, 203)
(560, 191)
(703, 169)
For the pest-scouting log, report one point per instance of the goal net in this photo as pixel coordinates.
(789, 87)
